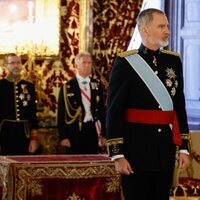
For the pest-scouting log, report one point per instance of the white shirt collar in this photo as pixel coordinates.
(80, 78)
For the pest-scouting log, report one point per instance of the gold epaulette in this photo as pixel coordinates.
(95, 79)
(28, 80)
(127, 53)
(170, 52)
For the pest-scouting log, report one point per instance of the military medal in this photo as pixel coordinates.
(28, 97)
(24, 96)
(25, 103)
(21, 96)
(154, 61)
(97, 98)
(24, 88)
(94, 85)
(170, 73)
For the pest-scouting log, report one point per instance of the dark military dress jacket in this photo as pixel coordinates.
(17, 114)
(71, 110)
(146, 146)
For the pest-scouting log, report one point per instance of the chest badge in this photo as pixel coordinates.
(24, 96)
(171, 81)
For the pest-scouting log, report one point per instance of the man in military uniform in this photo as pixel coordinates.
(81, 112)
(18, 134)
(146, 119)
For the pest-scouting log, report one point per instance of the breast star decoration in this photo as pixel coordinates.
(171, 81)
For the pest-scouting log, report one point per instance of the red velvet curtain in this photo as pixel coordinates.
(114, 22)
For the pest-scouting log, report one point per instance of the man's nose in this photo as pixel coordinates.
(167, 31)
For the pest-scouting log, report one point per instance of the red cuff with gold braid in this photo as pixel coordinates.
(155, 117)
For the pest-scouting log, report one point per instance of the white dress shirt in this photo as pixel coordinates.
(84, 85)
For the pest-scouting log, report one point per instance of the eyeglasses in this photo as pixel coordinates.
(12, 63)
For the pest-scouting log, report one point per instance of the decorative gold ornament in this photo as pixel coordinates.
(25, 36)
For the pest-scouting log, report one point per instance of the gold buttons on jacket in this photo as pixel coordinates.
(17, 103)
(159, 130)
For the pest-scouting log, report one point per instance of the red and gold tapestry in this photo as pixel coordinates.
(113, 26)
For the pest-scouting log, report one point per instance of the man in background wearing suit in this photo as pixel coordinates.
(81, 111)
(18, 123)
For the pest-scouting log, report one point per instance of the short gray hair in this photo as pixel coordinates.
(146, 16)
(80, 55)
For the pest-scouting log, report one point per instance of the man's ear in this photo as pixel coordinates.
(144, 30)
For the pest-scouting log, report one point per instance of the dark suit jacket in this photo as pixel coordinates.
(73, 101)
(146, 146)
(17, 115)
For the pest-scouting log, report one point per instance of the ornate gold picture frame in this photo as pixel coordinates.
(33, 29)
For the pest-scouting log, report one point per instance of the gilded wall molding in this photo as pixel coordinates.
(86, 25)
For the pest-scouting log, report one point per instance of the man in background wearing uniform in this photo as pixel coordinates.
(146, 117)
(18, 134)
(81, 111)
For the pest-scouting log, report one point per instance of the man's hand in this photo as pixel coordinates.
(65, 143)
(183, 161)
(33, 146)
(102, 142)
(123, 166)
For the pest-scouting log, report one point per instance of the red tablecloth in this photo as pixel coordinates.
(59, 177)
(189, 187)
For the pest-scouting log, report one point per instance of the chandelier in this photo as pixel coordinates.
(36, 34)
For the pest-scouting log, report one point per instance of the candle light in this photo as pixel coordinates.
(30, 11)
